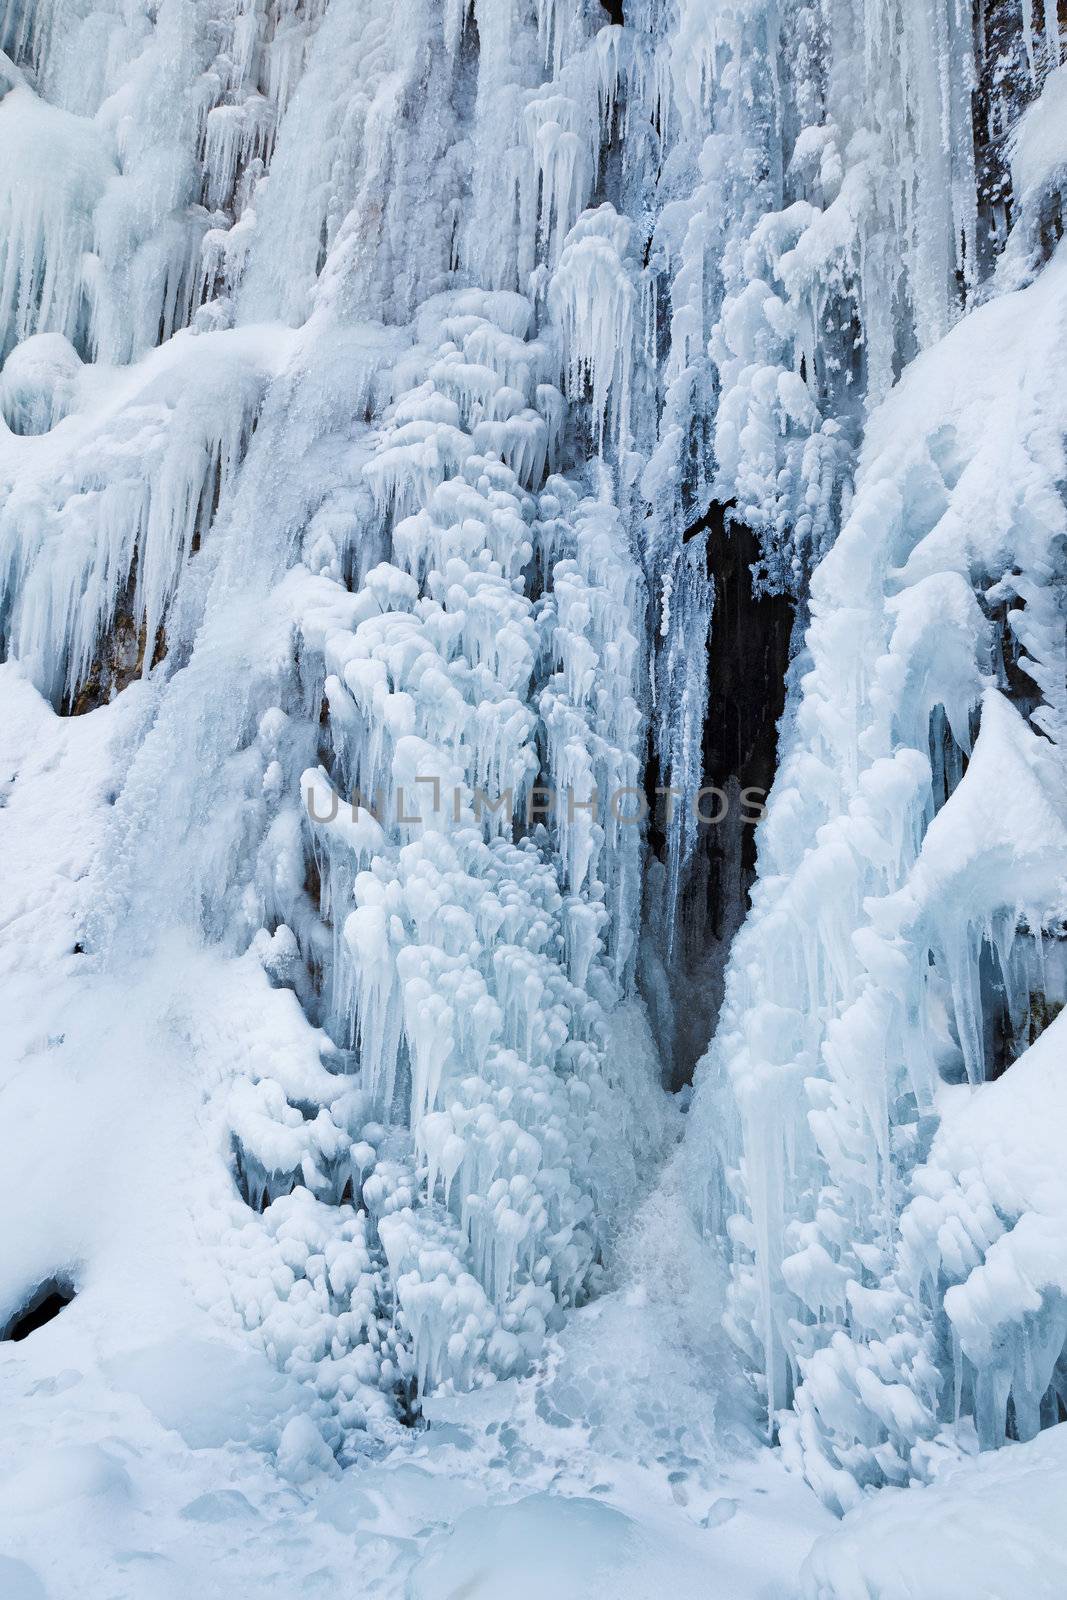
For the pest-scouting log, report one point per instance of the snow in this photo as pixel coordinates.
(570, 1547)
(1039, 144)
(149, 1447)
(987, 1528)
(372, 379)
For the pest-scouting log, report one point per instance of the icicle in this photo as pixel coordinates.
(592, 295)
(682, 697)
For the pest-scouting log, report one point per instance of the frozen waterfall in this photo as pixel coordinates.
(533, 594)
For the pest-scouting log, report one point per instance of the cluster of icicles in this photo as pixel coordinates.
(364, 367)
(884, 1087)
(440, 1176)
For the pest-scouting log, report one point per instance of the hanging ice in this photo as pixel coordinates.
(383, 390)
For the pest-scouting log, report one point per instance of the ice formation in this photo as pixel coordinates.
(381, 386)
(336, 503)
(906, 942)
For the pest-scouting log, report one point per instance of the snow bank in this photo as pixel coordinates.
(574, 1548)
(987, 1528)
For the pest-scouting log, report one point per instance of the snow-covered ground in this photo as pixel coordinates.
(162, 1473)
(146, 1451)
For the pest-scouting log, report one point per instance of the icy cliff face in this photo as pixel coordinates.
(894, 1273)
(324, 481)
(381, 384)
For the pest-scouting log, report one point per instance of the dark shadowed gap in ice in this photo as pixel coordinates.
(748, 651)
(43, 1306)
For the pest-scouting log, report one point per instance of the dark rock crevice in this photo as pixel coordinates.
(748, 652)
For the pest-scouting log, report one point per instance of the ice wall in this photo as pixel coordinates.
(365, 369)
(906, 943)
(323, 377)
